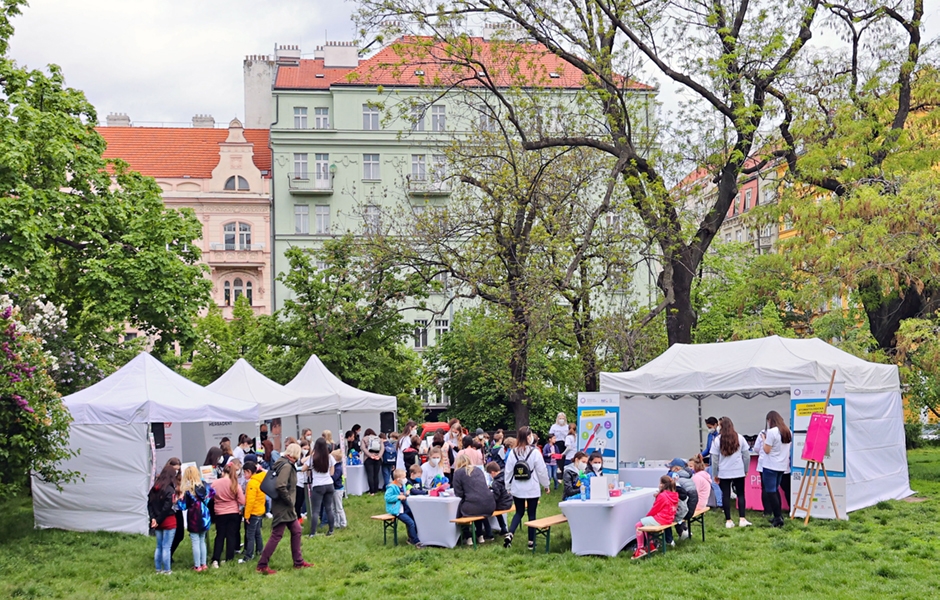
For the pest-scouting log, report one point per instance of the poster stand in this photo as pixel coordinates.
(814, 464)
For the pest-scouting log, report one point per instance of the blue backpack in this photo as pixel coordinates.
(390, 456)
(197, 513)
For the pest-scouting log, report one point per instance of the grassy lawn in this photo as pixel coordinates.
(886, 551)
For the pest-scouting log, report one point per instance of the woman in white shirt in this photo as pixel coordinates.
(320, 470)
(730, 460)
(525, 490)
(560, 430)
(776, 459)
(404, 443)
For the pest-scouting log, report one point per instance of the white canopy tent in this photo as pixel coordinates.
(274, 400)
(664, 403)
(111, 432)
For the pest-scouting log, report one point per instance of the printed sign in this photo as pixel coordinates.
(805, 401)
(599, 426)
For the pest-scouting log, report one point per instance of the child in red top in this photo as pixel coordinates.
(662, 513)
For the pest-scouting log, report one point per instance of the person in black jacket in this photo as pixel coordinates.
(572, 475)
(500, 495)
(476, 500)
(161, 508)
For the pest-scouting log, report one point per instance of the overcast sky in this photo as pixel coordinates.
(166, 60)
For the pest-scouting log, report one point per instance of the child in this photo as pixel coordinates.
(410, 453)
(254, 510)
(572, 475)
(433, 467)
(194, 500)
(395, 495)
(415, 485)
(389, 456)
(500, 495)
(339, 513)
(549, 450)
(662, 513)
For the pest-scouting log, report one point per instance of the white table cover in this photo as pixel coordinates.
(648, 477)
(604, 527)
(356, 482)
(433, 519)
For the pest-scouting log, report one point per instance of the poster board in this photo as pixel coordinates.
(599, 426)
(805, 400)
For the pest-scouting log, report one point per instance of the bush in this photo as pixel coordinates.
(913, 435)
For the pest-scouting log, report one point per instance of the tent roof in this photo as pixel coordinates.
(147, 391)
(765, 363)
(274, 400)
(315, 377)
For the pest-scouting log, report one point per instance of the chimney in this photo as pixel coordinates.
(118, 120)
(259, 73)
(287, 54)
(203, 121)
(340, 54)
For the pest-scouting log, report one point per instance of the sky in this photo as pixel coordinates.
(163, 61)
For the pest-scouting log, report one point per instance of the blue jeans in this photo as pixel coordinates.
(387, 474)
(253, 537)
(715, 488)
(199, 548)
(770, 495)
(410, 524)
(553, 474)
(161, 557)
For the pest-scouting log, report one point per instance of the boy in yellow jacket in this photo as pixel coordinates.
(254, 510)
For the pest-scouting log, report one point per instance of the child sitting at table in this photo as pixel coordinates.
(662, 513)
(500, 495)
(572, 475)
(395, 496)
(414, 485)
(549, 450)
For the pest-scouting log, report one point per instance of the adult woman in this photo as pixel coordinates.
(328, 436)
(560, 430)
(372, 449)
(270, 455)
(571, 446)
(213, 456)
(228, 498)
(161, 507)
(776, 451)
(175, 464)
(525, 476)
(474, 455)
(446, 452)
(320, 466)
(454, 433)
(300, 499)
(282, 510)
(244, 445)
(476, 499)
(730, 460)
(307, 435)
(404, 443)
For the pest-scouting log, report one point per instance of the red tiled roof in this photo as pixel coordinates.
(398, 64)
(177, 151)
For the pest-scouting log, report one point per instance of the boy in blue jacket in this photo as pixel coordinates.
(394, 496)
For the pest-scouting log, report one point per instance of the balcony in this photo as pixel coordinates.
(427, 187)
(233, 255)
(310, 187)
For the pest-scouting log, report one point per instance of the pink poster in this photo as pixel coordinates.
(817, 437)
(752, 489)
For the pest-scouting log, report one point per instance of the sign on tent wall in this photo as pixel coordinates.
(805, 400)
(599, 426)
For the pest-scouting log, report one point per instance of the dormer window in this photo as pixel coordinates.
(419, 72)
(239, 181)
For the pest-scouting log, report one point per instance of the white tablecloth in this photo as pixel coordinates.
(356, 482)
(642, 477)
(604, 527)
(432, 517)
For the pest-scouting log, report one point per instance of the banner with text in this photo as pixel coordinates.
(806, 399)
(599, 426)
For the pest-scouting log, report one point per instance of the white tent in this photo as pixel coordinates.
(111, 432)
(664, 403)
(274, 400)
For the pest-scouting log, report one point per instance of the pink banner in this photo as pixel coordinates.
(817, 437)
(752, 489)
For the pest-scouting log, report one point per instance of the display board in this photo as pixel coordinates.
(805, 400)
(599, 426)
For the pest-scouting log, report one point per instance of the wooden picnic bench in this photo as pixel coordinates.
(388, 522)
(543, 527)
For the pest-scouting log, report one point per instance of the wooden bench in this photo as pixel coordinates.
(467, 521)
(544, 526)
(698, 517)
(655, 533)
(388, 522)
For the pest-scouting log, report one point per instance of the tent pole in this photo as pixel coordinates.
(701, 442)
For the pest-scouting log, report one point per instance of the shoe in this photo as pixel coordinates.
(653, 547)
(503, 533)
(744, 523)
(197, 569)
(672, 544)
(490, 539)
(303, 565)
(242, 561)
(204, 568)
(268, 516)
(414, 543)
(640, 553)
(329, 533)
(531, 545)
(312, 535)
(266, 570)
(469, 542)
(168, 572)
(684, 535)
(729, 524)
(777, 522)
(507, 540)
(481, 539)
(215, 564)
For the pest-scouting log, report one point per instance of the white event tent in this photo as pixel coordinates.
(111, 433)
(664, 403)
(274, 400)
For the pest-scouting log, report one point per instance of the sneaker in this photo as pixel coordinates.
(242, 561)
(215, 564)
(329, 533)
(729, 524)
(684, 535)
(531, 545)
(469, 542)
(303, 565)
(197, 569)
(204, 568)
(744, 523)
(168, 572)
(489, 539)
(777, 522)
(266, 570)
(672, 544)
(507, 540)
(640, 553)
(268, 516)
(415, 543)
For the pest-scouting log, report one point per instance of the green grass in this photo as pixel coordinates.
(886, 551)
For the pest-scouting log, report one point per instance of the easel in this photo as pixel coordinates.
(806, 493)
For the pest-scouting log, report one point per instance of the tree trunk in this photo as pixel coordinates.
(680, 315)
(886, 313)
(519, 360)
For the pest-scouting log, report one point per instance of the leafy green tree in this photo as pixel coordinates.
(84, 232)
(220, 342)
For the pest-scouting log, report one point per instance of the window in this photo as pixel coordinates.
(238, 287)
(421, 333)
(228, 232)
(487, 120)
(322, 218)
(614, 222)
(322, 166)
(439, 167)
(237, 236)
(227, 293)
(438, 119)
(301, 218)
(372, 219)
(739, 236)
(419, 171)
(442, 279)
(130, 335)
(441, 326)
(321, 117)
(370, 166)
(244, 236)
(231, 182)
(757, 198)
(370, 118)
(300, 165)
(248, 292)
(417, 118)
(300, 117)
(747, 201)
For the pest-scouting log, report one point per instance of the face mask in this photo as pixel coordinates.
(598, 467)
(304, 452)
(309, 438)
(562, 422)
(435, 461)
(711, 430)
(582, 465)
(530, 439)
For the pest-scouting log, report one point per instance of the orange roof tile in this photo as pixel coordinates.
(177, 151)
(391, 66)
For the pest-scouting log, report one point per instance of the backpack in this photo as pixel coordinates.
(198, 516)
(390, 456)
(269, 483)
(521, 470)
(375, 444)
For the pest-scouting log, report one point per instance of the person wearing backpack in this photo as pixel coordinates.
(194, 500)
(373, 450)
(389, 456)
(283, 478)
(254, 511)
(526, 477)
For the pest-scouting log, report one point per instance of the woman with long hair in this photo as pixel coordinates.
(175, 464)
(776, 449)
(372, 449)
(161, 507)
(320, 467)
(730, 460)
(300, 499)
(526, 476)
(328, 436)
(476, 499)
(404, 442)
(228, 498)
(270, 455)
(213, 456)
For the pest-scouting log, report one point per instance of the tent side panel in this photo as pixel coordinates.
(658, 429)
(367, 419)
(115, 463)
(317, 423)
(748, 414)
(876, 457)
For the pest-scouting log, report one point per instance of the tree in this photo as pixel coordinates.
(220, 343)
(729, 59)
(85, 232)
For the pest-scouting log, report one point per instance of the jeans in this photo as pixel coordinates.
(725, 484)
(253, 536)
(227, 532)
(373, 474)
(715, 488)
(277, 532)
(529, 506)
(387, 474)
(410, 525)
(161, 557)
(339, 513)
(553, 474)
(321, 495)
(770, 482)
(199, 548)
(300, 501)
